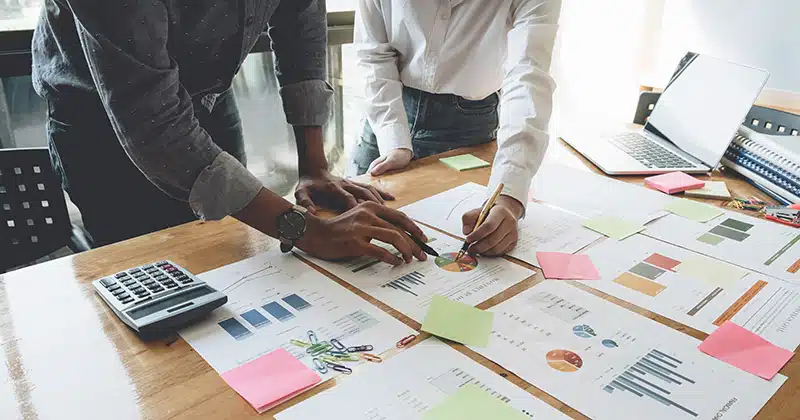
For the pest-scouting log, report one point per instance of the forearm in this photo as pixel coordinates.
(263, 211)
(311, 158)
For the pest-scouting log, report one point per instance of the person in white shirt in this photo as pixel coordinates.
(432, 71)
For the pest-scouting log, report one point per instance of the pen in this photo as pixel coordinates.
(425, 247)
(481, 217)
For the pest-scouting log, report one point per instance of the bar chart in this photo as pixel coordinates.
(407, 283)
(650, 377)
(449, 382)
(278, 311)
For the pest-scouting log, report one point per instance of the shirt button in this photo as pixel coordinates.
(250, 20)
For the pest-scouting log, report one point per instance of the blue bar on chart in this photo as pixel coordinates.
(279, 312)
(255, 318)
(650, 377)
(296, 302)
(235, 328)
(407, 283)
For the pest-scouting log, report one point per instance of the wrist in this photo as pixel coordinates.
(314, 225)
(511, 204)
(311, 160)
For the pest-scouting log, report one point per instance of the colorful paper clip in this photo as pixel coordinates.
(312, 337)
(299, 343)
(337, 353)
(337, 344)
(356, 349)
(339, 368)
(321, 367)
(371, 358)
(319, 348)
(354, 357)
(406, 341)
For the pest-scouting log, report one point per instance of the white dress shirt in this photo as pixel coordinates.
(469, 48)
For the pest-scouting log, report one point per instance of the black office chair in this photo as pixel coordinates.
(760, 119)
(34, 221)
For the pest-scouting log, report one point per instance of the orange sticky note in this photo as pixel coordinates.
(673, 182)
(747, 351)
(271, 379)
(557, 265)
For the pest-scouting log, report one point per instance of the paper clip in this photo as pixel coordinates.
(337, 344)
(321, 367)
(339, 368)
(348, 357)
(371, 358)
(299, 343)
(406, 341)
(338, 353)
(319, 348)
(356, 349)
(312, 337)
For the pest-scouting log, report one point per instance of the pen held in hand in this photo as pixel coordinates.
(425, 247)
(481, 218)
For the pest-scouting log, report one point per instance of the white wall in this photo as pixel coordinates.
(760, 33)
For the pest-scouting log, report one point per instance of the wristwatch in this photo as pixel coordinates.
(291, 227)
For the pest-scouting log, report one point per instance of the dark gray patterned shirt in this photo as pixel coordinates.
(147, 59)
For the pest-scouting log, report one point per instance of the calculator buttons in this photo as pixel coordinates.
(127, 300)
(118, 292)
(107, 282)
(114, 287)
(157, 289)
(120, 275)
(147, 267)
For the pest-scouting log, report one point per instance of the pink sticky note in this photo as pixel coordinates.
(747, 351)
(557, 265)
(673, 182)
(271, 379)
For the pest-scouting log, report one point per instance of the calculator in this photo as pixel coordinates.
(157, 299)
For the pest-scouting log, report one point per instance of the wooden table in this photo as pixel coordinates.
(67, 356)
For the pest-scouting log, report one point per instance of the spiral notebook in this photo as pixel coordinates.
(764, 161)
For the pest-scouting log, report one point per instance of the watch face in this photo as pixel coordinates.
(292, 225)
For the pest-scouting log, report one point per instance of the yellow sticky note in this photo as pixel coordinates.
(714, 273)
(613, 227)
(464, 162)
(458, 322)
(472, 403)
(693, 210)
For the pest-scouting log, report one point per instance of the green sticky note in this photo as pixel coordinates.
(464, 162)
(472, 403)
(613, 227)
(714, 273)
(458, 322)
(693, 210)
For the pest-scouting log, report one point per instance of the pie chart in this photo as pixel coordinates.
(564, 360)
(448, 262)
(583, 331)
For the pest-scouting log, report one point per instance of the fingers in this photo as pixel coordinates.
(486, 228)
(392, 237)
(363, 192)
(501, 248)
(375, 163)
(381, 168)
(379, 253)
(399, 219)
(349, 200)
(303, 198)
(415, 249)
(468, 220)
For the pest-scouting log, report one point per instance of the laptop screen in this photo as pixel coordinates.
(704, 104)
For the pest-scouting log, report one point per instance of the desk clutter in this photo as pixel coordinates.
(286, 328)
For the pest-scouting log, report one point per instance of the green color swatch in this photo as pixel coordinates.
(458, 322)
(710, 239)
(473, 403)
(693, 210)
(464, 162)
(613, 227)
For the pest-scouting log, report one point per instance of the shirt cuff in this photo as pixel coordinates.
(393, 136)
(516, 184)
(223, 188)
(307, 103)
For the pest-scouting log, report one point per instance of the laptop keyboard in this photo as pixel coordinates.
(647, 152)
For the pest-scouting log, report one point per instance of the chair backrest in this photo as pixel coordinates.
(33, 212)
(760, 119)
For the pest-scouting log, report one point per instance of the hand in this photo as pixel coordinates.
(497, 235)
(331, 191)
(350, 235)
(396, 159)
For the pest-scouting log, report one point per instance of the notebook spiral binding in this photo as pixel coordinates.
(764, 165)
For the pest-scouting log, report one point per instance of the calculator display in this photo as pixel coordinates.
(152, 308)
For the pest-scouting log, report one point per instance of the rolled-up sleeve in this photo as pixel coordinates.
(150, 111)
(526, 102)
(299, 33)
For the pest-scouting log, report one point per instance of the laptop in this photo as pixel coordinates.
(690, 127)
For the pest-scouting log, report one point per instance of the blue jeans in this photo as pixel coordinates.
(438, 122)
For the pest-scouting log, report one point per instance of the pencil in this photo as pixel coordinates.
(481, 217)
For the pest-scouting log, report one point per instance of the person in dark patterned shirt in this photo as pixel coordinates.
(144, 130)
